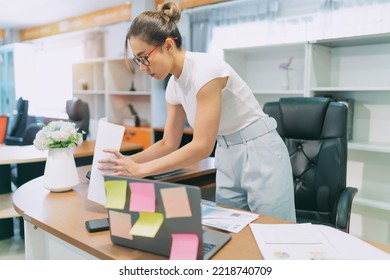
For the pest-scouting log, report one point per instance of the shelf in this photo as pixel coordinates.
(374, 39)
(88, 92)
(372, 203)
(350, 89)
(129, 93)
(369, 147)
(279, 92)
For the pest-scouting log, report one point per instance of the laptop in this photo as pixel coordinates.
(159, 217)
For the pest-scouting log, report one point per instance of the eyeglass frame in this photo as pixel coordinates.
(142, 59)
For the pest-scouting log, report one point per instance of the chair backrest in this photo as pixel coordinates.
(3, 127)
(78, 112)
(315, 132)
(30, 133)
(19, 120)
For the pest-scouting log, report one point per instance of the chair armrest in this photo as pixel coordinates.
(13, 141)
(344, 208)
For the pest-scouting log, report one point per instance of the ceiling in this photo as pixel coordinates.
(20, 14)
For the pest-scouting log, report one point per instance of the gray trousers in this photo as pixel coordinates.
(256, 174)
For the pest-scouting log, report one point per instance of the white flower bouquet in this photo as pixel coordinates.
(58, 134)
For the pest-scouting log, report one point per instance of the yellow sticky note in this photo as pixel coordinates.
(120, 224)
(115, 194)
(147, 224)
(176, 202)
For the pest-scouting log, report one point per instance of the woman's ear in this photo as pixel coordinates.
(169, 44)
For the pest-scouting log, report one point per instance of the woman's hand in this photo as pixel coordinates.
(120, 165)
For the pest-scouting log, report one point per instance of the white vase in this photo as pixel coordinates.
(60, 170)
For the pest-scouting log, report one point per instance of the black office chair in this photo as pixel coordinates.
(315, 132)
(78, 113)
(18, 123)
(24, 172)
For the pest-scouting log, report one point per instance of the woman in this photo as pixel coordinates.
(252, 162)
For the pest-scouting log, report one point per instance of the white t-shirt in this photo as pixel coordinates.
(239, 106)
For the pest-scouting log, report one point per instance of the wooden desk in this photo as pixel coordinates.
(55, 225)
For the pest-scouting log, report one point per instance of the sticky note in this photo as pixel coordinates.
(184, 246)
(115, 194)
(147, 224)
(176, 202)
(120, 224)
(143, 197)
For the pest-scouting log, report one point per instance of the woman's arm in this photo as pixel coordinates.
(170, 142)
(204, 134)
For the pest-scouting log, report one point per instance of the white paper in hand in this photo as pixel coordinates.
(109, 136)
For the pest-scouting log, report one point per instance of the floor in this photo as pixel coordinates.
(12, 248)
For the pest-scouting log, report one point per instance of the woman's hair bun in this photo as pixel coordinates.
(171, 10)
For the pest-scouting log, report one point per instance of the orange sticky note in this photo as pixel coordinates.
(184, 246)
(120, 224)
(147, 224)
(143, 197)
(176, 202)
(115, 194)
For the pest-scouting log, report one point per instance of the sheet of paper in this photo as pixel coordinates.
(115, 194)
(147, 224)
(350, 246)
(311, 242)
(109, 135)
(176, 202)
(289, 242)
(142, 197)
(226, 219)
(184, 246)
(120, 224)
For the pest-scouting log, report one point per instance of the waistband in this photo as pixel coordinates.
(252, 131)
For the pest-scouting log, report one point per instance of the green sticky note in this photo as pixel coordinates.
(147, 224)
(115, 194)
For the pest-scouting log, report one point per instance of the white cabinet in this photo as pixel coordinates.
(356, 68)
(109, 88)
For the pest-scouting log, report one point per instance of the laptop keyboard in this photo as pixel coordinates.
(207, 247)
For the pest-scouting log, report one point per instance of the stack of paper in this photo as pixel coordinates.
(226, 219)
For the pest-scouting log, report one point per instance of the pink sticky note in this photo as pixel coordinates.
(176, 202)
(184, 246)
(142, 197)
(120, 224)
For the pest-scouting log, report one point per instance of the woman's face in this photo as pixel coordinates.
(153, 59)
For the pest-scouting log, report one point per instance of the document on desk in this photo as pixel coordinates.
(109, 136)
(311, 242)
(226, 219)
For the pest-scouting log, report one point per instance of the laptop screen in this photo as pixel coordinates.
(158, 217)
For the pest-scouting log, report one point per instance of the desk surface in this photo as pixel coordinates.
(29, 153)
(64, 216)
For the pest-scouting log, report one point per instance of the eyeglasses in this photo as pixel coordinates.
(144, 59)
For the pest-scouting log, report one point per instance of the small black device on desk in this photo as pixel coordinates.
(97, 225)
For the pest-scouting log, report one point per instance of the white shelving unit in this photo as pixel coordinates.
(259, 67)
(354, 68)
(108, 87)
